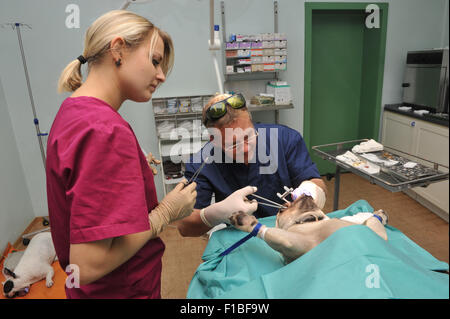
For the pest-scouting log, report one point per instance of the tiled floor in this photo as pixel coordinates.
(183, 255)
(181, 258)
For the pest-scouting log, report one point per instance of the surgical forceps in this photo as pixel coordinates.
(197, 172)
(287, 192)
(272, 203)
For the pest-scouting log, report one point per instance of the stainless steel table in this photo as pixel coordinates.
(391, 178)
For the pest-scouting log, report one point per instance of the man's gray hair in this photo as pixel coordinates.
(228, 118)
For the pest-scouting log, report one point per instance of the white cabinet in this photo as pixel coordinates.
(399, 132)
(432, 143)
(425, 140)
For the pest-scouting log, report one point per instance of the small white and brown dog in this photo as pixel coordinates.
(35, 265)
(302, 226)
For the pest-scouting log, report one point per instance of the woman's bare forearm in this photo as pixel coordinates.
(99, 258)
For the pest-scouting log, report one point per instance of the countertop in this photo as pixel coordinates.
(425, 117)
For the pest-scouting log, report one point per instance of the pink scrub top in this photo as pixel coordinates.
(99, 186)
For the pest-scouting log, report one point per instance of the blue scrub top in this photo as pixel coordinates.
(288, 154)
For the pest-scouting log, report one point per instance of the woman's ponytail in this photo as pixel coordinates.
(70, 78)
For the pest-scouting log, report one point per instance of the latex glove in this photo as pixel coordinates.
(178, 204)
(311, 189)
(152, 160)
(221, 212)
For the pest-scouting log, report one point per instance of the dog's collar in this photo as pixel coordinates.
(243, 240)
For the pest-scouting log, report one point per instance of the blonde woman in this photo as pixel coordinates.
(103, 207)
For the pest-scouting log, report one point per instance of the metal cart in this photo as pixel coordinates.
(393, 178)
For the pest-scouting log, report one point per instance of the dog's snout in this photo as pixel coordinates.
(8, 286)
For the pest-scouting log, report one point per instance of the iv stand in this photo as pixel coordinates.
(36, 121)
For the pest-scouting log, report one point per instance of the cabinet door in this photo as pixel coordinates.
(399, 132)
(432, 144)
(436, 193)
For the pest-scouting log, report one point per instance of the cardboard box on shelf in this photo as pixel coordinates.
(281, 91)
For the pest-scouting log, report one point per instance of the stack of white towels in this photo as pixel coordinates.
(165, 128)
(365, 147)
(369, 146)
(354, 161)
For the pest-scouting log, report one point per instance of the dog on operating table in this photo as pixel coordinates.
(302, 226)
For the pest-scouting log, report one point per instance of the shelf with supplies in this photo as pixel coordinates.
(249, 56)
(180, 133)
(254, 58)
(267, 52)
(269, 107)
(176, 116)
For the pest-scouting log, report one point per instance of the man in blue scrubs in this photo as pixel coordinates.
(242, 159)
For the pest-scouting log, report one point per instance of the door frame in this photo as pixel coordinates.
(309, 7)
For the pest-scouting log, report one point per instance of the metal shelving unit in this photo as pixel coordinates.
(177, 139)
(252, 76)
(269, 75)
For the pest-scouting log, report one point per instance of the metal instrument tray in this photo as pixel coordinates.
(393, 178)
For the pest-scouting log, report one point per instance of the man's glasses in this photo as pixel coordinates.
(219, 109)
(249, 138)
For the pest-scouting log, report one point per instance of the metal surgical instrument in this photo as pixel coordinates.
(274, 204)
(270, 205)
(287, 192)
(197, 172)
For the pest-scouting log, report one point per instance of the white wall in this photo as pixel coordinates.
(49, 46)
(16, 211)
(444, 39)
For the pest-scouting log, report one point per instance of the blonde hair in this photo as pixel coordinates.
(229, 117)
(131, 27)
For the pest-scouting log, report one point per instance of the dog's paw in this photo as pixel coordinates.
(49, 283)
(243, 221)
(383, 215)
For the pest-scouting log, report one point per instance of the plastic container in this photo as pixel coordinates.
(196, 104)
(172, 106)
(184, 106)
(159, 107)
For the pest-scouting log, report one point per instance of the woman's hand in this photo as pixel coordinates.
(152, 160)
(178, 204)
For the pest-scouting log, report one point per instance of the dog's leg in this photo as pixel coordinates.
(49, 276)
(375, 224)
(291, 245)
